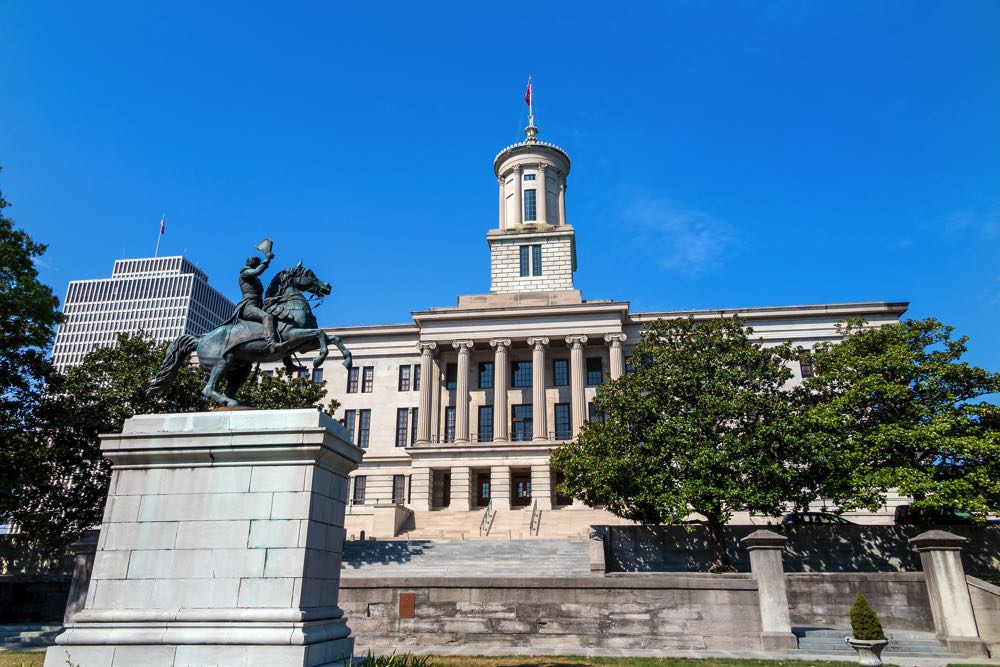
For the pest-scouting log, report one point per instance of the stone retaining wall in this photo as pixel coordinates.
(824, 600)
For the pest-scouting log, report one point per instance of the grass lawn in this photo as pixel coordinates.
(19, 659)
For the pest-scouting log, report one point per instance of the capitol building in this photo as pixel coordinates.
(461, 409)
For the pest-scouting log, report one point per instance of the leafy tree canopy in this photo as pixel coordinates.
(896, 407)
(701, 424)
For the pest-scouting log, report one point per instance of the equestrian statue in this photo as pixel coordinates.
(265, 327)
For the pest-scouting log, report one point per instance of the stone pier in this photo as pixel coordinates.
(220, 544)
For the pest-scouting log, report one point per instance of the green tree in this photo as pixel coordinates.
(896, 407)
(702, 424)
(282, 390)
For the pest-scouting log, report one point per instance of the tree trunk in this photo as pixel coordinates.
(717, 540)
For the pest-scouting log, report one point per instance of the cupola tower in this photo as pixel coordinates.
(532, 249)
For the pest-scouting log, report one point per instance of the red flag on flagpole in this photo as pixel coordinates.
(527, 94)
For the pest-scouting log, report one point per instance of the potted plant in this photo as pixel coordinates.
(868, 637)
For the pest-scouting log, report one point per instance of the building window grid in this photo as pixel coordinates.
(485, 423)
(449, 423)
(536, 260)
(367, 379)
(350, 418)
(521, 422)
(364, 427)
(402, 424)
(360, 482)
(560, 373)
(398, 489)
(416, 377)
(352, 380)
(404, 377)
(520, 374)
(595, 371)
(413, 425)
(563, 425)
(451, 376)
(529, 206)
(486, 375)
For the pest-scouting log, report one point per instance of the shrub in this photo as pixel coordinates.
(864, 620)
(405, 660)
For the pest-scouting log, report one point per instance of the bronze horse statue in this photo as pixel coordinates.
(229, 351)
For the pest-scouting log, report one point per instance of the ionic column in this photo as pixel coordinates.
(615, 341)
(464, 348)
(426, 372)
(577, 383)
(562, 199)
(538, 409)
(518, 199)
(501, 420)
(540, 212)
(503, 203)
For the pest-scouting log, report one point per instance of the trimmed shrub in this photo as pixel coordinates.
(864, 620)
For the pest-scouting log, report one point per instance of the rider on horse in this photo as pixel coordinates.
(252, 306)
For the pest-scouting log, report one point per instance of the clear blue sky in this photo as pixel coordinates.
(724, 154)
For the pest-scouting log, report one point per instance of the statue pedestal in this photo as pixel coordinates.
(220, 544)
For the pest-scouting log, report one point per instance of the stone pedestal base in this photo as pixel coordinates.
(220, 544)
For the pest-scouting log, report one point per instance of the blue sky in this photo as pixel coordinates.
(724, 154)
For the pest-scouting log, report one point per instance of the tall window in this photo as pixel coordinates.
(364, 427)
(525, 257)
(359, 489)
(404, 377)
(413, 425)
(449, 423)
(350, 420)
(536, 260)
(595, 371)
(402, 422)
(485, 423)
(593, 414)
(317, 376)
(451, 376)
(529, 205)
(520, 374)
(564, 430)
(521, 423)
(398, 489)
(416, 377)
(806, 366)
(486, 375)
(560, 373)
(530, 260)
(367, 379)
(352, 380)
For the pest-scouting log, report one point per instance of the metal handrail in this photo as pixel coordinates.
(486, 517)
(536, 519)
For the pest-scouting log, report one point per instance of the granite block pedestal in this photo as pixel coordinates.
(220, 544)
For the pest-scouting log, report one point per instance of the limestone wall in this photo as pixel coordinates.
(986, 605)
(824, 600)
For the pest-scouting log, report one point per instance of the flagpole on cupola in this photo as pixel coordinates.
(531, 131)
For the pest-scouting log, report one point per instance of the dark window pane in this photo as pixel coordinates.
(404, 378)
(524, 261)
(520, 373)
(367, 379)
(398, 488)
(529, 205)
(349, 421)
(413, 425)
(806, 366)
(352, 380)
(359, 489)
(595, 373)
(486, 375)
(521, 426)
(560, 373)
(364, 427)
(485, 423)
(536, 260)
(449, 423)
(416, 377)
(317, 376)
(402, 422)
(593, 414)
(451, 376)
(563, 427)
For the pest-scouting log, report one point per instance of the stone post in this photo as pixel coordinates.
(500, 487)
(501, 373)
(948, 591)
(421, 495)
(539, 424)
(541, 486)
(562, 199)
(503, 203)
(617, 355)
(84, 551)
(518, 199)
(540, 199)
(577, 382)
(765, 549)
(464, 348)
(461, 486)
(426, 385)
(220, 544)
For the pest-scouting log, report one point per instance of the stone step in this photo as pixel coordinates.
(902, 643)
(28, 635)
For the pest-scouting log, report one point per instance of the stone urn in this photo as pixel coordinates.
(869, 650)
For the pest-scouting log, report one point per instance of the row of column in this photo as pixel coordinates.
(541, 201)
(538, 345)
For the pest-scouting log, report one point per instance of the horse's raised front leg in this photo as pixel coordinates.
(348, 358)
(324, 348)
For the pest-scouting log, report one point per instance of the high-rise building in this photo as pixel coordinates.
(163, 297)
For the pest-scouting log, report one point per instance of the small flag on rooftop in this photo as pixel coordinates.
(527, 93)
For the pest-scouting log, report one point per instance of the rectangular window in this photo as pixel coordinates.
(595, 371)
(350, 419)
(529, 177)
(317, 376)
(449, 423)
(359, 489)
(560, 373)
(402, 422)
(536, 260)
(398, 489)
(451, 376)
(364, 427)
(521, 422)
(520, 374)
(302, 373)
(352, 380)
(525, 260)
(416, 377)
(367, 379)
(404, 378)
(593, 414)
(413, 425)
(806, 366)
(564, 429)
(485, 423)
(486, 375)
(529, 205)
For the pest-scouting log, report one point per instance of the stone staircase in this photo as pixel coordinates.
(571, 522)
(466, 558)
(27, 636)
(902, 644)
(512, 524)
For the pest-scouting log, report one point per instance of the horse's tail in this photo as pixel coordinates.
(177, 353)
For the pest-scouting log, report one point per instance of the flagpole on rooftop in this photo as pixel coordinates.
(159, 235)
